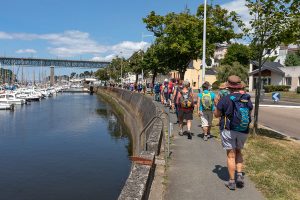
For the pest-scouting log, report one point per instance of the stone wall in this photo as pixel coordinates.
(137, 111)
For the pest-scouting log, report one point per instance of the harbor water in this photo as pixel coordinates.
(71, 146)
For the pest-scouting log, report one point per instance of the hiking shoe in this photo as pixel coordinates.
(205, 138)
(180, 132)
(209, 136)
(189, 135)
(231, 185)
(240, 181)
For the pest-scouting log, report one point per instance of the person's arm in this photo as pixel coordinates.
(217, 112)
(198, 106)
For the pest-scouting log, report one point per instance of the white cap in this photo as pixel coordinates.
(166, 80)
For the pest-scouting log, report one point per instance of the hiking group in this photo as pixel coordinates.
(231, 105)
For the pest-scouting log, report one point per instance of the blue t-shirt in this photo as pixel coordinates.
(225, 105)
(212, 95)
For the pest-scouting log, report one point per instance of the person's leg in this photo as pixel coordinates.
(189, 118)
(241, 139)
(239, 160)
(180, 119)
(231, 155)
(209, 119)
(229, 144)
(239, 168)
(205, 125)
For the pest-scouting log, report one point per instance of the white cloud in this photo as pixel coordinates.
(76, 43)
(26, 51)
(239, 6)
(105, 58)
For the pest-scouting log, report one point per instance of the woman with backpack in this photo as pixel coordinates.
(205, 110)
(185, 102)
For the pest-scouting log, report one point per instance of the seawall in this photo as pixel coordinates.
(142, 117)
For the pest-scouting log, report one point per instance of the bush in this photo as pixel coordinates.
(298, 90)
(215, 85)
(275, 88)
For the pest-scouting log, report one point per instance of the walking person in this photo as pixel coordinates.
(176, 90)
(235, 112)
(185, 101)
(205, 109)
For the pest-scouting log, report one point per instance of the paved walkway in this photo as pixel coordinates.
(198, 170)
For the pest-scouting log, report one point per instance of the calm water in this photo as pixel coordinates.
(68, 147)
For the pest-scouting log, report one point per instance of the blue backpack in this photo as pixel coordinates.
(240, 119)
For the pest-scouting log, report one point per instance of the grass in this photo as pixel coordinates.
(272, 163)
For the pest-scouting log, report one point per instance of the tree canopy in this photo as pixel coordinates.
(237, 53)
(272, 23)
(235, 68)
(179, 35)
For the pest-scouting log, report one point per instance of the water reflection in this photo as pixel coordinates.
(116, 126)
(67, 147)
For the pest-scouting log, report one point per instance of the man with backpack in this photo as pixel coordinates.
(205, 109)
(185, 102)
(235, 112)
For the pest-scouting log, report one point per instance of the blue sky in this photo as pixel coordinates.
(84, 29)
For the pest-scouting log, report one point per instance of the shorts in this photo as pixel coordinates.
(186, 114)
(166, 95)
(233, 139)
(206, 118)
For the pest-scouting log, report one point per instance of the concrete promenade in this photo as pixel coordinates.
(197, 170)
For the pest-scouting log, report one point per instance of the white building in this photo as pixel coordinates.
(274, 73)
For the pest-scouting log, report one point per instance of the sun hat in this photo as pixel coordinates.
(234, 82)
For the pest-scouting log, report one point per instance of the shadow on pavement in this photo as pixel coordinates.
(222, 172)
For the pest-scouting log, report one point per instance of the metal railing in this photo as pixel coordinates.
(144, 143)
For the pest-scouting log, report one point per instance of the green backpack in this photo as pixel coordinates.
(206, 101)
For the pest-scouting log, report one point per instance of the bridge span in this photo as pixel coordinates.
(43, 62)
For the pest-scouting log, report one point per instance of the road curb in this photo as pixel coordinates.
(277, 106)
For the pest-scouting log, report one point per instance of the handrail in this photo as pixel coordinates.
(146, 128)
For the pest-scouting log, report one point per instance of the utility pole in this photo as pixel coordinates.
(204, 44)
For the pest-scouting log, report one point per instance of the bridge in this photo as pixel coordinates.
(35, 62)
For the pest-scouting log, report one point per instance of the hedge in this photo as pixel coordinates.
(275, 88)
(298, 90)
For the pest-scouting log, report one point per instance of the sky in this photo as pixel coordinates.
(85, 29)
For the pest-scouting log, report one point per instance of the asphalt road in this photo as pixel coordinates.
(284, 120)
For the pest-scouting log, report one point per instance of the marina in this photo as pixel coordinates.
(64, 146)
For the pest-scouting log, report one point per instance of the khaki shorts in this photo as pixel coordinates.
(206, 118)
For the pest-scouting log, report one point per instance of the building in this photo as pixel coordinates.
(194, 74)
(219, 54)
(274, 73)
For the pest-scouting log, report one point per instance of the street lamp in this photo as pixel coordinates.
(204, 44)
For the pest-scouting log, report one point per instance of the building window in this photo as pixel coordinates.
(288, 80)
(269, 51)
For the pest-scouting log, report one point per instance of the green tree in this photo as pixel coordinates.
(273, 22)
(292, 60)
(114, 68)
(102, 74)
(226, 70)
(136, 63)
(154, 61)
(237, 53)
(180, 35)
